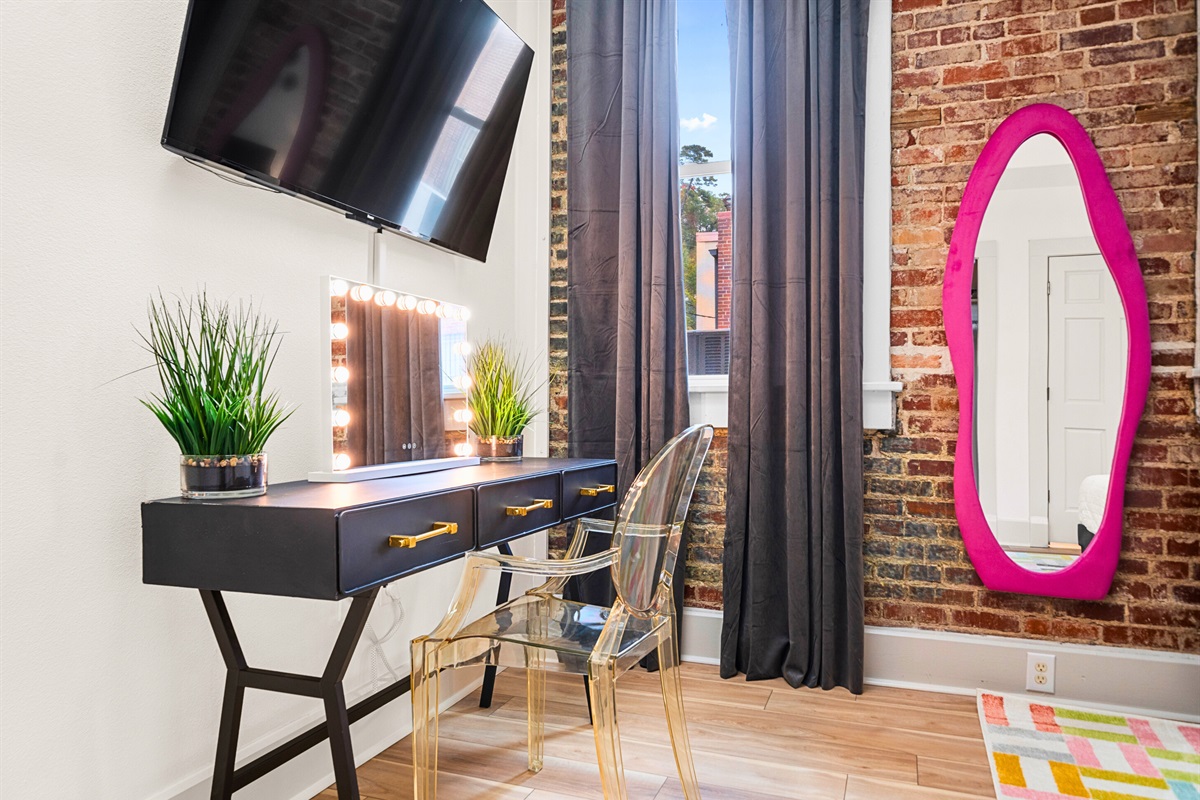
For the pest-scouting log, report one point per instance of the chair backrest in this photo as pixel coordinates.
(650, 523)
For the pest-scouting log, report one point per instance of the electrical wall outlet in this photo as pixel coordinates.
(1039, 673)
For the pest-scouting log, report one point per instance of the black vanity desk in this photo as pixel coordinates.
(331, 541)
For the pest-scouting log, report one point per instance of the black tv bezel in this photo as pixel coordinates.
(197, 155)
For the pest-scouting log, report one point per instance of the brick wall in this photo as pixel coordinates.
(1127, 70)
(724, 277)
(558, 231)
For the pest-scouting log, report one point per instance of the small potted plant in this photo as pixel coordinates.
(500, 398)
(213, 362)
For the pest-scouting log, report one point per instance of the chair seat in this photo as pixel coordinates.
(566, 627)
(542, 632)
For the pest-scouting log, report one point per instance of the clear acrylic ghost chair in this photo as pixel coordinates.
(540, 631)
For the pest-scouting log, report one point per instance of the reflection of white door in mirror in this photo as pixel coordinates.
(263, 140)
(1086, 382)
(1050, 351)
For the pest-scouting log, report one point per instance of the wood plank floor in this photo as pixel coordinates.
(751, 741)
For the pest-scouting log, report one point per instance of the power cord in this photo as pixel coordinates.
(381, 666)
(229, 179)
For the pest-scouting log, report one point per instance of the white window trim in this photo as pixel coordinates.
(706, 169)
(709, 394)
(879, 390)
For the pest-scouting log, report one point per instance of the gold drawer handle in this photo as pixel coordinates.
(592, 491)
(412, 541)
(520, 511)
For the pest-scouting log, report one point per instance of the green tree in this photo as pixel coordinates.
(699, 205)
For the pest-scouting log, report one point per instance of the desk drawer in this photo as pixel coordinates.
(364, 555)
(497, 525)
(587, 490)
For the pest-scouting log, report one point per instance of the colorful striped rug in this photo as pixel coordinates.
(1040, 751)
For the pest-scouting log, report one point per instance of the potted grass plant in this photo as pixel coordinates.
(213, 362)
(500, 398)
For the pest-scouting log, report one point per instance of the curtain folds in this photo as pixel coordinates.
(793, 545)
(627, 368)
(395, 394)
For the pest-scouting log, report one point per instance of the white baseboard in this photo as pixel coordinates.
(701, 636)
(1126, 680)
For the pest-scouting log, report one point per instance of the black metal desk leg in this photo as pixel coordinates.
(231, 708)
(339, 743)
(226, 778)
(489, 672)
(335, 699)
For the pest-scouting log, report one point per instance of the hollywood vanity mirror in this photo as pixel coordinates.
(395, 367)
(1046, 320)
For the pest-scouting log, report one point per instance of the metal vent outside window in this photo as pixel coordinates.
(708, 352)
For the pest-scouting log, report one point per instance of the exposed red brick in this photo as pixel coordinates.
(1127, 70)
(1097, 14)
(984, 620)
(1095, 37)
(989, 71)
(1131, 52)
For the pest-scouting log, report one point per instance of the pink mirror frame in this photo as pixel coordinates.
(1091, 575)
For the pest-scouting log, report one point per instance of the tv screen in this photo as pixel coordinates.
(401, 113)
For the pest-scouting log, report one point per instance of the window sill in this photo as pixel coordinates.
(879, 405)
(709, 396)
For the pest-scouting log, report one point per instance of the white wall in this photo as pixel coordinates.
(111, 688)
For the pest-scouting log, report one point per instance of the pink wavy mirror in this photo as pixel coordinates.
(1047, 325)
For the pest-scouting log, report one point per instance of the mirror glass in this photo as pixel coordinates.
(1050, 362)
(397, 367)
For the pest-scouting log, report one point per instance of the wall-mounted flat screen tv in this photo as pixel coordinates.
(401, 113)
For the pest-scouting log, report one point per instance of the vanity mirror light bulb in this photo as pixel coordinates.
(341, 375)
(338, 288)
(362, 292)
(341, 418)
(463, 415)
(427, 306)
(385, 298)
(464, 313)
(463, 382)
(463, 348)
(463, 449)
(341, 461)
(339, 330)
(442, 312)
(407, 302)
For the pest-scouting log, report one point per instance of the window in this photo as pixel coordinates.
(706, 202)
(453, 358)
(705, 184)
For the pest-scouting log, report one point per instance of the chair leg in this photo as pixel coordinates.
(672, 691)
(535, 682)
(603, 685)
(426, 680)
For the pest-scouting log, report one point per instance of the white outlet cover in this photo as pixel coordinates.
(1039, 673)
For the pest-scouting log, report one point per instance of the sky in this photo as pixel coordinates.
(704, 76)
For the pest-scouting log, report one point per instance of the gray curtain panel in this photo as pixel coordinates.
(395, 391)
(793, 545)
(627, 367)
